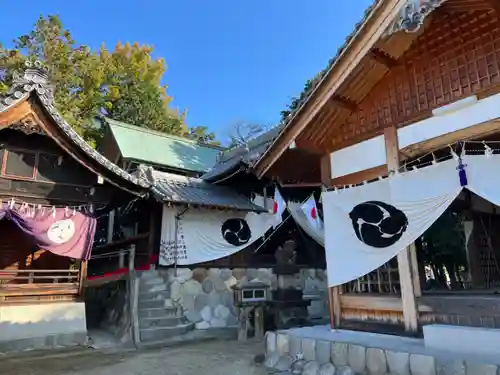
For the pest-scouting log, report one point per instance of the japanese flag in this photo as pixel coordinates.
(279, 206)
(311, 212)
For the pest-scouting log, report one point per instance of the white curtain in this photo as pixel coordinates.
(368, 225)
(316, 232)
(202, 235)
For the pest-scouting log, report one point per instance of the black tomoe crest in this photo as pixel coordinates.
(378, 224)
(236, 231)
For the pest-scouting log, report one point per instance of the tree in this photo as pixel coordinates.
(241, 132)
(124, 84)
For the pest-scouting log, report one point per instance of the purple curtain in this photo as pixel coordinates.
(61, 231)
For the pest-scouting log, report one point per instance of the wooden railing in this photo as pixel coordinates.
(39, 282)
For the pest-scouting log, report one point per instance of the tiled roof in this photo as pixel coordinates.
(34, 80)
(169, 187)
(243, 156)
(158, 148)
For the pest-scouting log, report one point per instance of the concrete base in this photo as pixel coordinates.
(369, 353)
(43, 342)
(45, 325)
(462, 339)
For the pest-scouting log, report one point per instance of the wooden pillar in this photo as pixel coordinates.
(153, 210)
(333, 293)
(407, 256)
(83, 277)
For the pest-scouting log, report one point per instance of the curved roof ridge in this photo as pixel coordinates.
(35, 80)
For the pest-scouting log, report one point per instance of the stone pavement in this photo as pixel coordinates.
(208, 358)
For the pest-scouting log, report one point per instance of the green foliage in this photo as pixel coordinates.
(124, 84)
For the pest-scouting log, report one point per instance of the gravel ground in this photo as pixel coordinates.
(208, 358)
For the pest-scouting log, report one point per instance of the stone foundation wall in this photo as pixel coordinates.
(206, 297)
(287, 353)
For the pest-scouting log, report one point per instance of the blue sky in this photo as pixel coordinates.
(227, 60)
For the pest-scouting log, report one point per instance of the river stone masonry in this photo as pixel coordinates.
(309, 356)
(206, 295)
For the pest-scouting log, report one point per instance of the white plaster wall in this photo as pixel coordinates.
(26, 321)
(456, 116)
(447, 119)
(358, 157)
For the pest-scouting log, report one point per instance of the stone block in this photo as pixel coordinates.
(398, 362)
(473, 368)
(270, 342)
(376, 363)
(450, 367)
(327, 369)
(339, 355)
(298, 366)
(295, 345)
(207, 286)
(199, 274)
(272, 359)
(202, 325)
(345, 370)
(251, 273)
(238, 273)
(225, 274)
(356, 357)
(284, 363)
(206, 313)
(309, 349)
(422, 365)
(194, 316)
(323, 350)
(214, 299)
(219, 285)
(221, 312)
(311, 368)
(282, 343)
(183, 274)
(217, 322)
(200, 302)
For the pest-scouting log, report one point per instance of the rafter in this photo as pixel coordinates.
(383, 58)
(344, 103)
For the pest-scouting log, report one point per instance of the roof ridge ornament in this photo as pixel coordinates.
(412, 16)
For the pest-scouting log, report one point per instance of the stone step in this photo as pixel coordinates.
(152, 303)
(160, 333)
(161, 322)
(158, 312)
(151, 288)
(161, 294)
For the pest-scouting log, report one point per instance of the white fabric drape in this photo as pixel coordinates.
(363, 231)
(316, 232)
(204, 235)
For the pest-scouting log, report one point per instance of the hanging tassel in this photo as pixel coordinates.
(462, 176)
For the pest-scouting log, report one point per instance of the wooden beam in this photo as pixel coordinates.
(359, 177)
(344, 103)
(382, 14)
(410, 313)
(383, 58)
(472, 132)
